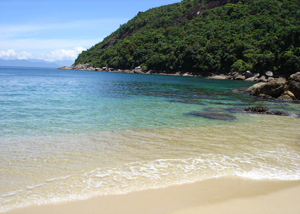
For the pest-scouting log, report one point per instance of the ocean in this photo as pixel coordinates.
(71, 135)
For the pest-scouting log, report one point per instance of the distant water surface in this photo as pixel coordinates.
(67, 135)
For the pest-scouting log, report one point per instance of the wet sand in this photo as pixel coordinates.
(218, 195)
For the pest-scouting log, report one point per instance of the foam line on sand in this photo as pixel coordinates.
(220, 195)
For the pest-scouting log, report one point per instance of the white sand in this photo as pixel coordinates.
(221, 195)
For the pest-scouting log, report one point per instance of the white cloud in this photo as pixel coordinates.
(62, 54)
(58, 54)
(7, 54)
(11, 54)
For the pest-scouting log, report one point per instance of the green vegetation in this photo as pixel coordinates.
(206, 36)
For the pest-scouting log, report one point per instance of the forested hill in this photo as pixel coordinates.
(206, 36)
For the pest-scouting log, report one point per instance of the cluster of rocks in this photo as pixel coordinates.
(137, 70)
(259, 109)
(247, 76)
(279, 88)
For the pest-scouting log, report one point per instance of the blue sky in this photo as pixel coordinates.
(61, 29)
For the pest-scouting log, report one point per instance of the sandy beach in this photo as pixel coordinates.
(219, 195)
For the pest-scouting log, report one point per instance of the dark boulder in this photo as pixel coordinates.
(274, 88)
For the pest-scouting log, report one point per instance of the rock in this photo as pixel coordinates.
(212, 115)
(218, 77)
(273, 88)
(262, 79)
(152, 72)
(270, 79)
(279, 113)
(65, 68)
(82, 67)
(240, 77)
(289, 93)
(138, 71)
(269, 74)
(234, 91)
(265, 96)
(295, 77)
(285, 97)
(248, 74)
(258, 109)
(293, 85)
(232, 75)
(280, 81)
(254, 87)
(251, 79)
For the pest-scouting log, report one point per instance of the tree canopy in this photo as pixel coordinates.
(206, 36)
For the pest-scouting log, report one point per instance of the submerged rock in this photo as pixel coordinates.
(195, 102)
(235, 110)
(259, 109)
(212, 115)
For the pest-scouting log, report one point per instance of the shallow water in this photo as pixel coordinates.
(69, 135)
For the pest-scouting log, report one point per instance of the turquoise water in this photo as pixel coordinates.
(42, 101)
(68, 135)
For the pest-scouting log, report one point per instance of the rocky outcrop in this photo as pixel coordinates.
(65, 68)
(279, 88)
(273, 88)
(246, 76)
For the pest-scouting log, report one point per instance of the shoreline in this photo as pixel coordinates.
(217, 195)
(245, 76)
(267, 86)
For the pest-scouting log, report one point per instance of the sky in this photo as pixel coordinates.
(54, 30)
